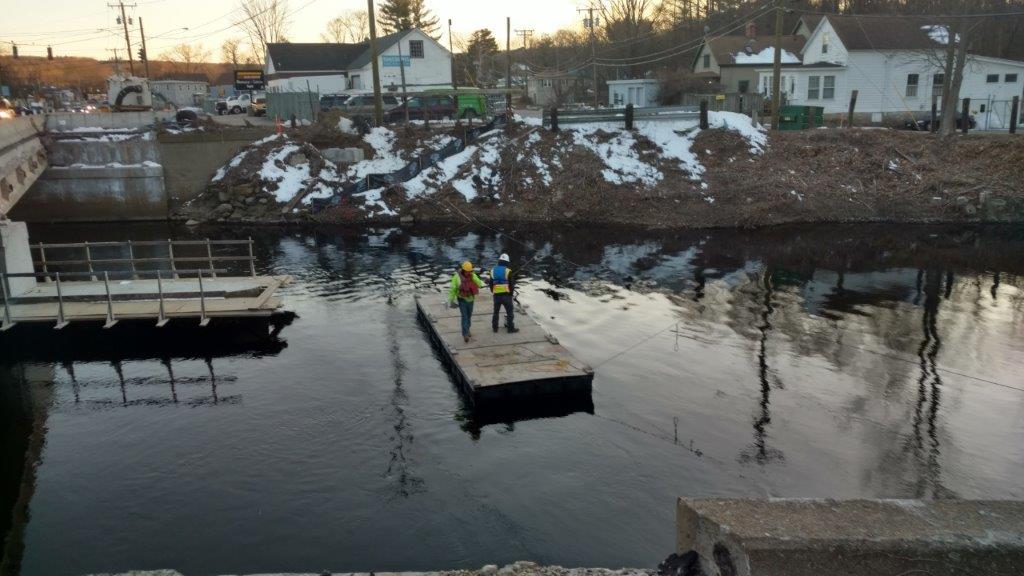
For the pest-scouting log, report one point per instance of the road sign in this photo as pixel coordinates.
(249, 80)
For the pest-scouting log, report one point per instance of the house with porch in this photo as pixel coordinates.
(730, 63)
(330, 68)
(895, 65)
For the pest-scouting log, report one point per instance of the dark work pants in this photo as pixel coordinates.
(506, 301)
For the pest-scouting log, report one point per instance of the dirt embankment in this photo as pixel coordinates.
(671, 176)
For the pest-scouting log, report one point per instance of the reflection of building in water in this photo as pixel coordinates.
(26, 396)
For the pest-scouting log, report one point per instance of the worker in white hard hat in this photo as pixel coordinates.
(501, 287)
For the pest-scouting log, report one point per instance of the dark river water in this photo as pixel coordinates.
(834, 361)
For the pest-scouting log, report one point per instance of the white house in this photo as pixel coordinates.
(641, 92)
(895, 65)
(332, 67)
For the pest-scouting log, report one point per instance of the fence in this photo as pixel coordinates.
(993, 115)
(82, 258)
(410, 170)
(744, 103)
(303, 105)
(619, 115)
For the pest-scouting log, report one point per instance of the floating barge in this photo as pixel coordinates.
(500, 365)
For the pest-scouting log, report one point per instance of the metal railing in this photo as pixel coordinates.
(619, 114)
(62, 318)
(113, 255)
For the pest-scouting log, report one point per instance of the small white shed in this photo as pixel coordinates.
(641, 92)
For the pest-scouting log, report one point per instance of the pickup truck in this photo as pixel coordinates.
(234, 105)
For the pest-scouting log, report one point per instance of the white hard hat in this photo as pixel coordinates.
(503, 258)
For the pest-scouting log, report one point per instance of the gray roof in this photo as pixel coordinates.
(300, 57)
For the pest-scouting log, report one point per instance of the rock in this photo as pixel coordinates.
(489, 570)
(225, 209)
(192, 222)
(524, 565)
(242, 190)
(569, 215)
(409, 220)
(250, 200)
(223, 196)
(264, 200)
(343, 155)
(506, 571)
(297, 159)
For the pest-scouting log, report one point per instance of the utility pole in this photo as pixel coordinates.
(378, 109)
(525, 35)
(145, 55)
(127, 39)
(401, 68)
(508, 64)
(593, 48)
(777, 68)
(452, 53)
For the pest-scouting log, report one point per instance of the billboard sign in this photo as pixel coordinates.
(392, 61)
(248, 80)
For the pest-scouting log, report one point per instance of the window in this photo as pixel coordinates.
(829, 92)
(813, 87)
(992, 78)
(415, 48)
(743, 86)
(912, 80)
(1010, 78)
(707, 60)
(937, 81)
(824, 42)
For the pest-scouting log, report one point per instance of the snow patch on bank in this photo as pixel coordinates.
(385, 160)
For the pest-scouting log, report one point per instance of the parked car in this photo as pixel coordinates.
(258, 106)
(362, 104)
(328, 101)
(924, 125)
(432, 107)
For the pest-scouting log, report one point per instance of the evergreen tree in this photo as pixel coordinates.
(398, 15)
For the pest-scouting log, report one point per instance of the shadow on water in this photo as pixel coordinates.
(29, 369)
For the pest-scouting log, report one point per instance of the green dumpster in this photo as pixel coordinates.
(797, 117)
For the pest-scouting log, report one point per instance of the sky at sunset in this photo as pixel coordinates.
(89, 28)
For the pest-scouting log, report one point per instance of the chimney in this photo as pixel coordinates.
(751, 30)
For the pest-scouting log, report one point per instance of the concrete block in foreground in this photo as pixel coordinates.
(782, 537)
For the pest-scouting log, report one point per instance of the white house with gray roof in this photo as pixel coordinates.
(331, 67)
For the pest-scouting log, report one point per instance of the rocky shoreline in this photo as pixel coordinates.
(662, 176)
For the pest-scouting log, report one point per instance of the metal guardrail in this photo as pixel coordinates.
(9, 321)
(133, 262)
(620, 114)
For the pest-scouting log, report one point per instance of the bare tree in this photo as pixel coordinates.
(186, 58)
(231, 51)
(264, 22)
(351, 26)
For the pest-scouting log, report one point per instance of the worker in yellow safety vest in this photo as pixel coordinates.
(501, 287)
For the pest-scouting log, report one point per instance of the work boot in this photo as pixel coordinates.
(465, 339)
(512, 329)
(495, 328)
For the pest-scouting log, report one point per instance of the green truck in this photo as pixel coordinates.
(469, 102)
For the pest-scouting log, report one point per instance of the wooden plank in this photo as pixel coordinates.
(495, 365)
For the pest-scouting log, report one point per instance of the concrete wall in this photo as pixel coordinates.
(15, 257)
(190, 160)
(96, 194)
(22, 159)
(70, 120)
